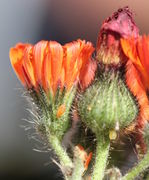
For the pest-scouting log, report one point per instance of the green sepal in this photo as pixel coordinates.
(60, 125)
(47, 107)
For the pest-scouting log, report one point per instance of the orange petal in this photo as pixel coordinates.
(137, 74)
(135, 85)
(39, 52)
(72, 62)
(56, 52)
(28, 66)
(88, 159)
(89, 66)
(80, 147)
(129, 49)
(143, 54)
(143, 51)
(138, 52)
(62, 77)
(16, 56)
(47, 78)
(77, 60)
(83, 155)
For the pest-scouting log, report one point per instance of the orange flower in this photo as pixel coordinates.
(137, 74)
(49, 64)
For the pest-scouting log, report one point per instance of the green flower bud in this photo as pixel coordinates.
(107, 104)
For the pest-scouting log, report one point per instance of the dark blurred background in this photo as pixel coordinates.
(31, 21)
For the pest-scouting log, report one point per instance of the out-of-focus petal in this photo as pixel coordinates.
(136, 86)
(143, 54)
(16, 57)
(143, 51)
(137, 50)
(129, 49)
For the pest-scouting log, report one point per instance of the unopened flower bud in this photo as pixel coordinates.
(107, 103)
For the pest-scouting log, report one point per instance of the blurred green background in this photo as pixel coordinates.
(31, 21)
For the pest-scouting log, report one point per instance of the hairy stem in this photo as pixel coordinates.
(102, 152)
(65, 161)
(139, 168)
(78, 169)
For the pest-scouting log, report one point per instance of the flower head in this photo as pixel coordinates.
(119, 25)
(52, 65)
(119, 43)
(51, 73)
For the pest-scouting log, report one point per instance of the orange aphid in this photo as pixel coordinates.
(61, 110)
(51, 65)
(137, 73)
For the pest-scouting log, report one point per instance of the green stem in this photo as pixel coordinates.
(65, 160)
(78, 169)
(102, 152)
(139, 168)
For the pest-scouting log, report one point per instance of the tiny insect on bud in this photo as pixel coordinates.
(112, 134)
(89, 108)
(61, 110)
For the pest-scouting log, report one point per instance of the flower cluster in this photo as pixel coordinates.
(113, 86)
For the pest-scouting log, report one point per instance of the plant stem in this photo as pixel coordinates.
(65, 160)
(78, 169)
(139, 168)
(102, 152)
